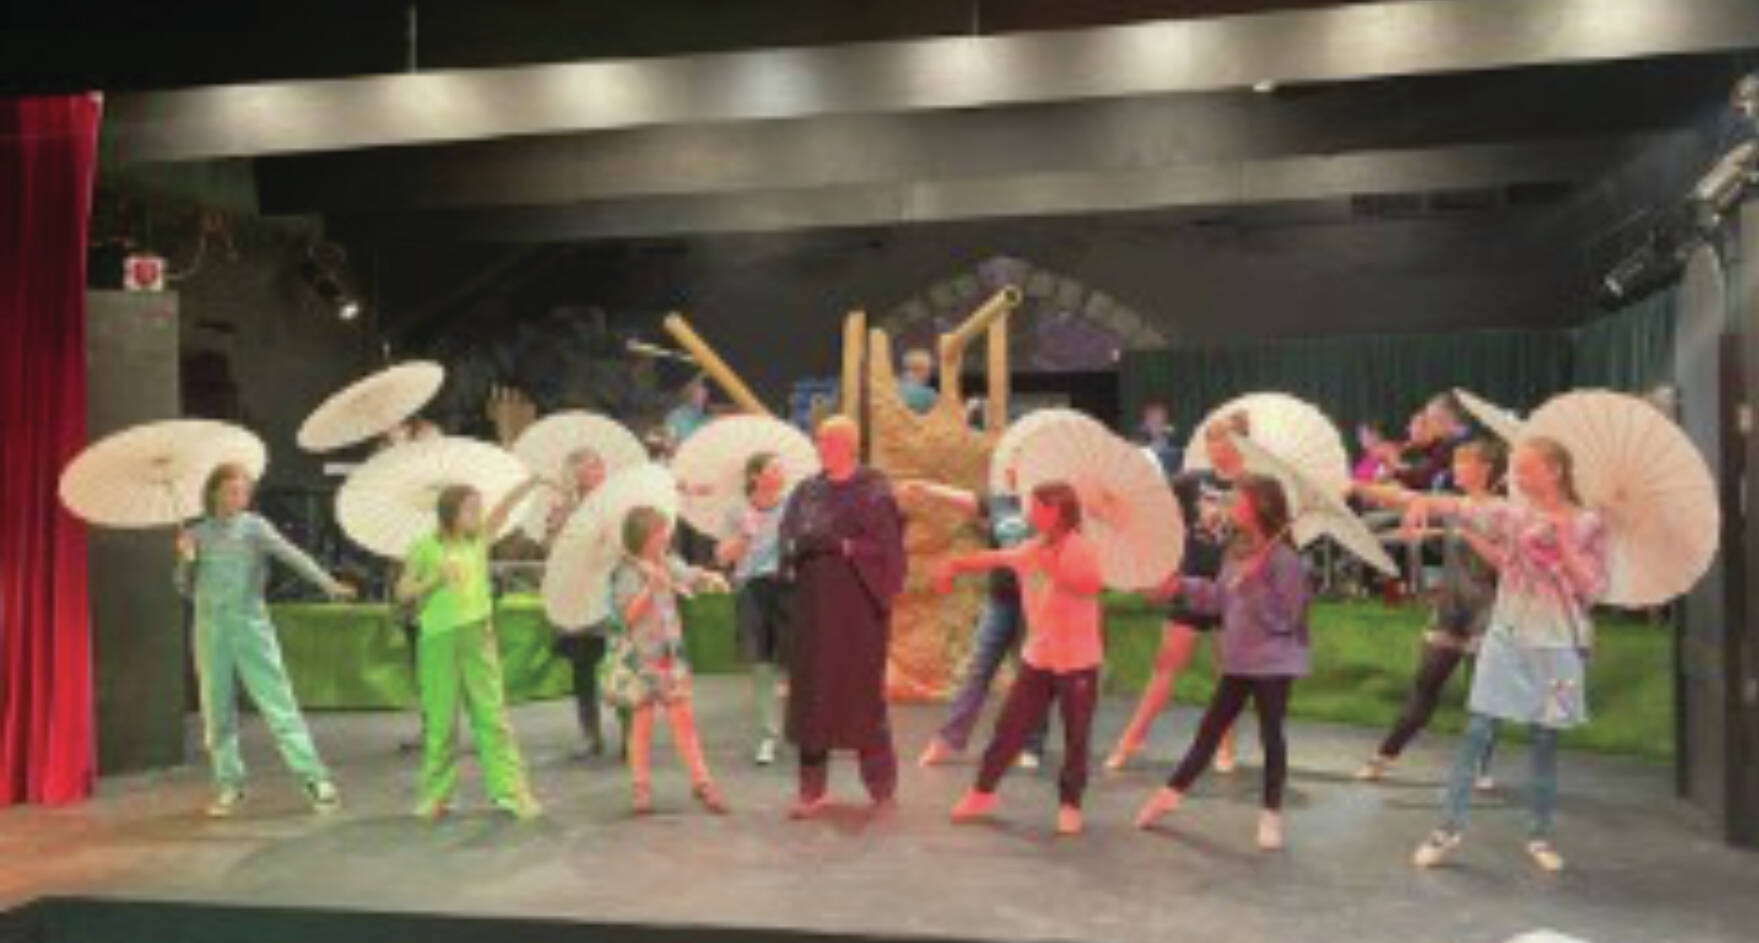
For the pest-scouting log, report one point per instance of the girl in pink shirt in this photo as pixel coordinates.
(1059, 588)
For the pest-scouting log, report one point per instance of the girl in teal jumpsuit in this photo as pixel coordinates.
(222, 566)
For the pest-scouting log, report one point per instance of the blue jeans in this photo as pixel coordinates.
(1542, 791)
(999, 628)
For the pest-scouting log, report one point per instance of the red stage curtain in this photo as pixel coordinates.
(47, 153)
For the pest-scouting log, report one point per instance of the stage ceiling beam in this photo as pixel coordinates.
(1413, 37)
(1271, 181)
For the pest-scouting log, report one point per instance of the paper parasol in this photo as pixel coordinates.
(1008, 444)
(388, 502)
(577, 575)
(546, 445)
(1316, 508)
(1127, 508)
(371, 406)
(1501, 422)
(1289, 428)
(1636, 467)
(152, 475)
(710, 465)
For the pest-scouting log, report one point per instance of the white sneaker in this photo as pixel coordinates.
(1436, 847)
(324, 798)
(1545, 855)
(1374, 770)
(1029, 760)
(1270, 830)
(225, 802)
(1485, 783)
(766, 751)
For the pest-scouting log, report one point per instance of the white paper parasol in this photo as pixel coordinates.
(1008, 444)
(1289, 428)
(1128, 509)
(1316, 508)
(1502, 423)
(710, 465)
(387, 503)
(1636, 467)
(371, 406)
(152, 475)
(577, 575)
(546, 445)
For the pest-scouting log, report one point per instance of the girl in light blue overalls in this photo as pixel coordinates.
(223, 566)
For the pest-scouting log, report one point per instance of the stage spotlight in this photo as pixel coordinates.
(325, 272)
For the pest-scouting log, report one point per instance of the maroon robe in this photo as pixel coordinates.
(842, 608)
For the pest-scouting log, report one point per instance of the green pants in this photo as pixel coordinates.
(241, 646)
(463, 662)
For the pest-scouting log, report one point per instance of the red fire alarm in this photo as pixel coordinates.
(143, 271)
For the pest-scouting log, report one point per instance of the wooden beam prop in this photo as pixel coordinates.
(953, 343)
(713, 366)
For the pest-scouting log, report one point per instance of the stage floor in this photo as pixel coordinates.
(1643, 866)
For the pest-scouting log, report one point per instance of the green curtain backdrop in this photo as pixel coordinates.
(1384, 378)
(1631, 350)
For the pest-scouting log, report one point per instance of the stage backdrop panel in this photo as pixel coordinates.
(141, 660)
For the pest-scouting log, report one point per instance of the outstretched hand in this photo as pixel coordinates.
(185, 545)
(511, 411)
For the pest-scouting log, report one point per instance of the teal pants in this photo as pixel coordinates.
(234, 647)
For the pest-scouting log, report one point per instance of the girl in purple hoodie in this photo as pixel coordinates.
(1261, 597)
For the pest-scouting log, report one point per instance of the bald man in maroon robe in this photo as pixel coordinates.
(842, 542)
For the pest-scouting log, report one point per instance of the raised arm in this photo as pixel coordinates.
(980, 562)
(497, 518)
(269, 539)
(1385, 495)
(957, 498)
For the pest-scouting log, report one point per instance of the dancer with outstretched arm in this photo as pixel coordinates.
(223, 567)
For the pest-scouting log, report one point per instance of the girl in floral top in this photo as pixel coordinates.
(1531, 666)
(649, 670)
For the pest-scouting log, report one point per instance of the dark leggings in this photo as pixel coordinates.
(1270, 697)
(584, 651)
(1029, 703)
(1433, 671)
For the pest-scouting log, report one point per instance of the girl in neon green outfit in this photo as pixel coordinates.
(446, 573)
(222, 566)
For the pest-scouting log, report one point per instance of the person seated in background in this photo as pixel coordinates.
(1369, 468)
(1425, 459)
(915, 385)
(690, 414)
(1156, 432)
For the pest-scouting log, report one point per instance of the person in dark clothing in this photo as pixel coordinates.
(842, 545)
(1204, 497)
(1462, 607)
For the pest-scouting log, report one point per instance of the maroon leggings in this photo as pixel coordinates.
(1029, 702)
